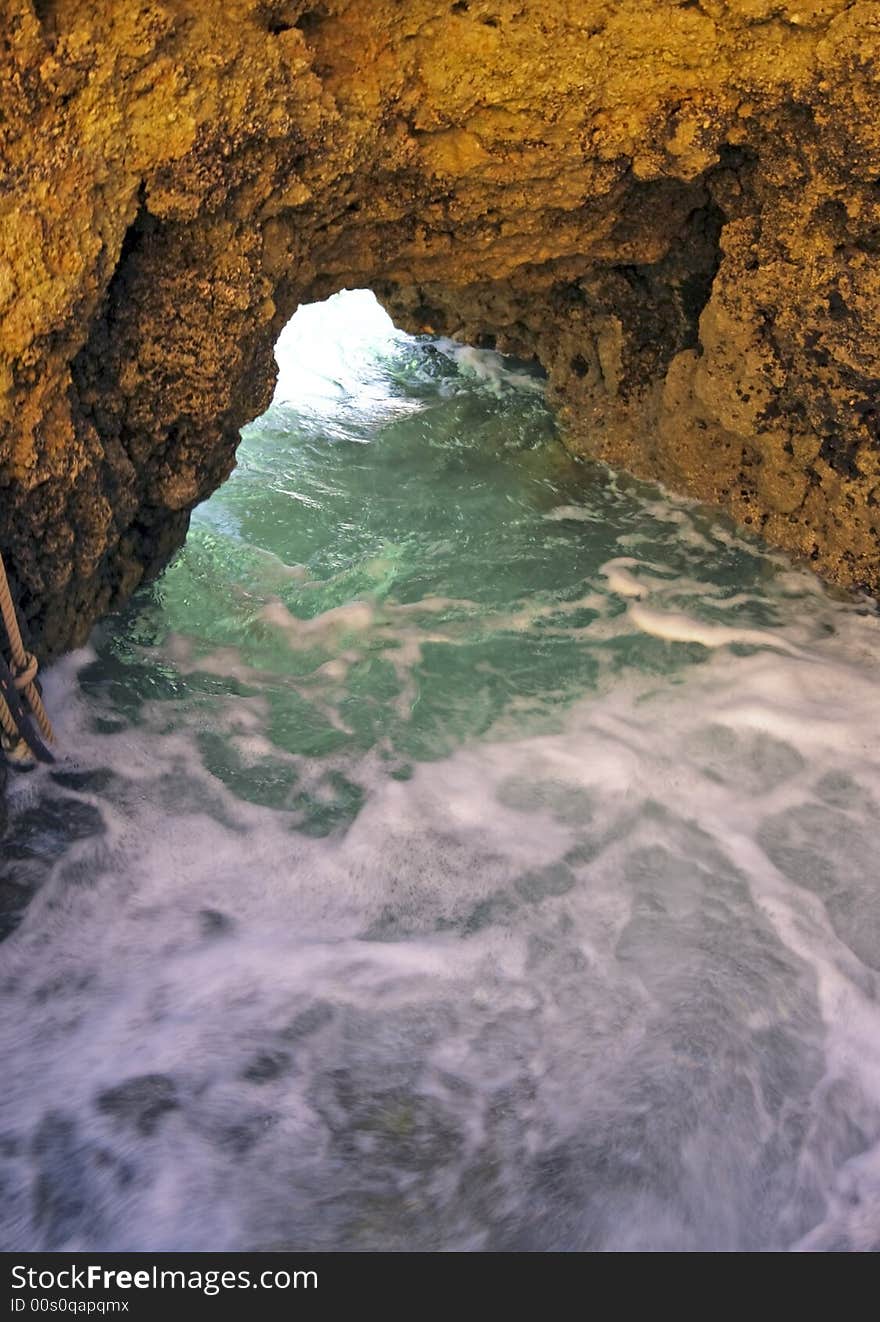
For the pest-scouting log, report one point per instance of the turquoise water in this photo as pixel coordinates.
(460, 846)
(407, 559)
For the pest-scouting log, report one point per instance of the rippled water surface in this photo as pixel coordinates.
(458, 848)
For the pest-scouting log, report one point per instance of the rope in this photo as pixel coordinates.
(7, 720)
(11, 741)
(23, 667)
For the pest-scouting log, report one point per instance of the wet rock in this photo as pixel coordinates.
(754, 762)
(71, 1175)
(214, 923)
(556, 879)
(391, 1128)
(243, 1135)
(34, 839)
(267, 1066)
(828, 852)
(47, 829)
(92, 781)
(140, 1102)
(309, 1021)
(19, 883)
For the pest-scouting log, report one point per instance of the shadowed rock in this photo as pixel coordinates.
(140, 1102)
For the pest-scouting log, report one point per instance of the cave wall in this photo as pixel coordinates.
(673, 204)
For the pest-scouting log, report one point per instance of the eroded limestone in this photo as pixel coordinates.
(675, 206)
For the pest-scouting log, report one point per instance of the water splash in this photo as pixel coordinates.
(460, 847)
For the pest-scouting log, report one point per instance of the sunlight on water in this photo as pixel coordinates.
(460, 847)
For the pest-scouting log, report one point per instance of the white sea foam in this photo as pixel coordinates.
(489, 367)
(621, 579)
(572, 514)
(678, 627)
(599, 971)
(624, 923)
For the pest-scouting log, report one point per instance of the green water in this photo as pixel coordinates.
(442, 549)
(458, 847)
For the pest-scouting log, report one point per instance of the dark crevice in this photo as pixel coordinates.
(46, 12)
(93, 385)
(309, 22)
(660, 305)
(695, 289)
(279, 16)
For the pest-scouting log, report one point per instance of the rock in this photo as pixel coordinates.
(74, 1182)
(266, 1067)
(45, 830)
(33, 842)
(140, 1102)
(674, 207)
(214, 923)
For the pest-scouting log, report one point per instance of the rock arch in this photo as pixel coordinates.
(675, 206)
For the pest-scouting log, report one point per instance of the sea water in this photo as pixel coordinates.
(459, 847)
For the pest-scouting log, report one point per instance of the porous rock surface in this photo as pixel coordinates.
(673, 204)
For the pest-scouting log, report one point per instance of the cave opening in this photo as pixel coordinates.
(449, 736)
(369, 425)
(455, 843)
(415, 798)
(349, 341)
